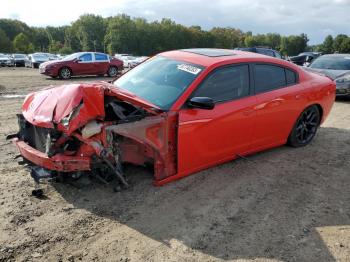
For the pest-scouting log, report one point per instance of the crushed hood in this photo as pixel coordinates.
(78, 103)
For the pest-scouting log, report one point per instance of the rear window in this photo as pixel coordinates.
(101, 57)
(265, 52)
(271, 77)
(291, 77)
(268, 77)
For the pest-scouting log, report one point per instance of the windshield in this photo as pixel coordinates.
(70, 57)
(40, 56)
(332, 62)
(19, 56)
(159, 80)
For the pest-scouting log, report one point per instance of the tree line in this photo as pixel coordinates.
(123, 34)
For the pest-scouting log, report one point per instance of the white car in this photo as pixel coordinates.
(34, 60)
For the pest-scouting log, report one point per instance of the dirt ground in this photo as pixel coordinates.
(284, 204)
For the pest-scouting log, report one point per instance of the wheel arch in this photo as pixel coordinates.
(320, 109)
(65, 66)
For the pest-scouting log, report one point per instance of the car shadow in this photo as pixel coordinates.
(343, 100)
(268, 206)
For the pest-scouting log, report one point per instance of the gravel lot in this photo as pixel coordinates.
(284, 204)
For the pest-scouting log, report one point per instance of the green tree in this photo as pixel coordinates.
(338, 41)
(121, 35)
(5, 43)
(41, 39)
(65, 50)
(345, 46)
(21, 43)
(327, 46)
(14, 27)
(90, 31)
(293, 44)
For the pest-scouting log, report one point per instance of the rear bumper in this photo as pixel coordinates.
(59, 162)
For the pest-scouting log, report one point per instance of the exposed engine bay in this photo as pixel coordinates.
(94, 129)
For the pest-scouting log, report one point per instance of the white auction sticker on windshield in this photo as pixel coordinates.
(189, 68)
(347, 57)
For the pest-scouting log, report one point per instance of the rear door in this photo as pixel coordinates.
(279, 101)
(207, 137)
(101, 63)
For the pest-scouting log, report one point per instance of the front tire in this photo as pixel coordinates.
(112, 71)
(65, 73)
(305, 127)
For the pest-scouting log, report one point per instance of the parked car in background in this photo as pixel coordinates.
(130, 61)
(4, 60)
(336, 67)
(34, 60)
(261, 50)
(304, 59)
(83, 63)
(214, 104)
(18, 59)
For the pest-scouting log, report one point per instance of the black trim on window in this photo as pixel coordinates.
(250, 91)
(285, 76)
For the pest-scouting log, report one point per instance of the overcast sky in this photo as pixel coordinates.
(316, 18)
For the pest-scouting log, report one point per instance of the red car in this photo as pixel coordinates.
(84, 63)
(180, 111)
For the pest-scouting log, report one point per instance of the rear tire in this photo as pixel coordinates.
(65, 73)
(305, 127)
(112, 71)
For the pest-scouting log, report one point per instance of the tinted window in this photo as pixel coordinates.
(101, 57)
(86, 58)
(268, 77)
(226, 84)
(278, 55)
(291, 77)
(265, 52)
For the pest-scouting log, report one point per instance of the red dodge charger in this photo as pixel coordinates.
(84, 63)
(180, 111)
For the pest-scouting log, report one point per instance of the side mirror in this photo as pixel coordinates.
(201, 102)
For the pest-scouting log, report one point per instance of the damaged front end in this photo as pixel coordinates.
(94, 129)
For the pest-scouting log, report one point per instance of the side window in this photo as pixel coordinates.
(291, 77)
(226, 84)
(278, 55)
(265, 52)
(86, 58)
(101, 57)
(268, 77)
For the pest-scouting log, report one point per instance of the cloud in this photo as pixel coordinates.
(315, 18)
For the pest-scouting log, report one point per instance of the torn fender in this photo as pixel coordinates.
(154, 137)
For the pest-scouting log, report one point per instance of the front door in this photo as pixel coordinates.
(85, 65)
(208, 137)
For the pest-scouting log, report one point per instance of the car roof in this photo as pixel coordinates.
(210, 56)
